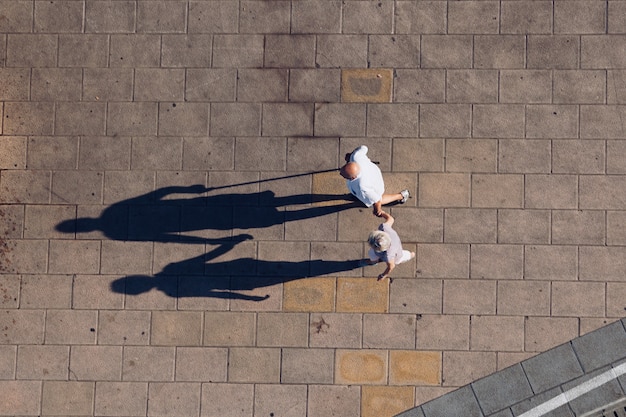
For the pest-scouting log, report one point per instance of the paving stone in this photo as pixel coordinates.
(343, 252)
(24, 256)
(494, 395)
(101, 153)
(224, 123)
(289, 51)
(382, 400)
(286, 329)
(40, 221)
(334, 401)
(614, 152)
(31, 50)
(73, 327)
(442, 261)
(362, 367)
(217, 17)
(552, 368)
(446, 332)
(458, 51)
(526, 86)
(254, 152)
(586, 17)
(389, 331)
(469, 297)
(335, 119)
(126, 257)
(280, 399)
(578, 227)
(311, 294)
(420, 86)
(367, 17)
(471, 155)
(461, 401)
(510, 329)
(398, 51)
(262, 85)
(362, 295)
(260, 365)
(10, 287)
(414, 367)
(179, 399)
(136, 119)
(577, 156)
(8, 362)
(96, 363)
(314, 85)
(499, 51)
(563, 191)
(444, 190)
(457, 120)
(68, 256)
(52, 152)
(579, 86)
(498, 120)
(335, 330)
(67, 398)
(56, 84)
(523, 298)
(218, 399)
(600, 123)
(83, 50)
(201, 364)
(341, 51)
(615, 86)
(180, 328)
(586, 346)
(158, 84)
(524, 156)
(42, 362)
(497, 261)
(148, 363)
(536, 400)
(162, 17)
(110, 17)
(307, 366)
(501, 191)
(13, 152)
(463, 367)
(552, 121)
(127, 398)
(268, 17)
(18, 16)
(46, 291)
(472, 86)
(181, 51)
(287, 119)
(237, 51)
(77, 187)
(419, 225)
(210, 84)
(22, 397)
(614, 231)
(614, 296)
(473, 17)
(413, 412)
(423, 17)
(208, 153)
(28, 118)
(506, 359)
(610, 393)
(470, 225)
(543, 333)
(318, 154)
(124, 327)
(601, 192)
(136, 50)
(553, 51)
(183, 119)
(532, 17)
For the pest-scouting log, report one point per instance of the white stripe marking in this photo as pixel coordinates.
(576, 392)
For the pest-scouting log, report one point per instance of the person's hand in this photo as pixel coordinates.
(381, 276)
(348, 156)
(378, 212)
(196, 188)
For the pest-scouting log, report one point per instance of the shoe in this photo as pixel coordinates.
(405, 196)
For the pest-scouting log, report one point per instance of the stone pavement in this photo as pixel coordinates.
(174, 241)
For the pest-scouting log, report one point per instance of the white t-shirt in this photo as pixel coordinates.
(368, 186)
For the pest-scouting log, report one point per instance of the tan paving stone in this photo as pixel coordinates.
(601, 122)
(524, 298)
(126, 257)
(498, 121)
(442, 261)
(470, 225)
(602, 192)
(13, 152)
(578, 156)
(543, 333)
(8, 362)
(362, 295)
(408, 367)
(445, 332)
(51, 152)
(553, 51)
(499, 191)
(389, 331)
(67, 398)
(179, 399)
(334, 401)
(40, 221)
(24, 256)
(341, 51)
(362, 367)
(77, 256)
(418, 154)
(525, 86)
(582, 227)
(497, 261)
(551, 121)
(471, 155)
(615, 151)
(71, 327)
(201, 364)
(218, 399)
(551, 191)
(551, 262)
(444, 120)
(96, 363)
(510, 331)
(397, 120)
(419, 296)
(307, 366)
(579, 86)
(460, 368)
(506, 359)
(280, 399)
(420, 86)
(530, 156)
(148, 363)
(526, 17)
(21, 397)
(469, 296)
(578, 299)
(260, 365)
(10, 291)
(229, 329)
(124, 327)
(42, 362)
(335, 330)
(386, 401)
(588, 325)
(371, 85)
(117, 398)
(180, 328)
(311, 294)
(444, 190)
(46, 291)
(446, 51)
(25, 186)
(282, 329)
(615, 305)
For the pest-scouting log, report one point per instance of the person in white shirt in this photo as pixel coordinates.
(365, 181)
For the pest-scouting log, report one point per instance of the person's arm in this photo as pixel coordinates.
(377, 208)
(390, 266)
(359, 155)
(388, 218)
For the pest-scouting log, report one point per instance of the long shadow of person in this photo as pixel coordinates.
(226, 279)
(155, 217)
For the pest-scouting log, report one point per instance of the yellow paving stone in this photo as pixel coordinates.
(311, 294)
(362, 295)
(366, 367)
(386, 401)
(407, 367)
(366, 85)
(329, 183)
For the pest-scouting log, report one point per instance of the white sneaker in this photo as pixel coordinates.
(405, 196)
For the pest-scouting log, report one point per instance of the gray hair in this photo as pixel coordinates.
(379, 240)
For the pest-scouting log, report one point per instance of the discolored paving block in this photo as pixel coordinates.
(362, 295)
(372, 85)
(180, 328)
(311, 294)
(335, 330)
(408, 367)
(363, 367)
(379, 401)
